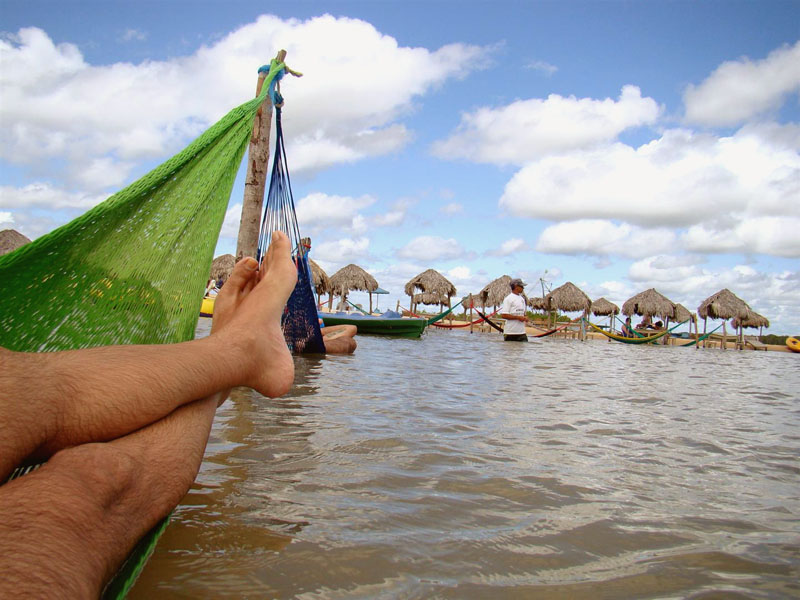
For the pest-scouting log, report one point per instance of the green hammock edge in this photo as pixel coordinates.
(640, 340)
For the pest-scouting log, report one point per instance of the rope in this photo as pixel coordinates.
(358, 308)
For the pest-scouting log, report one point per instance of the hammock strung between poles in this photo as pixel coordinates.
(300, 322)
(439, 317)
(702, 338)
(131, 270)
(627, 340)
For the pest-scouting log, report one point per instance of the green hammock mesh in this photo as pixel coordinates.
(133, 269)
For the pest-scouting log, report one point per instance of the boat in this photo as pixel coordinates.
(207, 307)
(389, 323)
(793, 344)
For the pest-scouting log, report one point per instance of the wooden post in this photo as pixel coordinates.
(255, 184)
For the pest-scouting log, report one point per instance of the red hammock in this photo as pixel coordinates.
(445, 326)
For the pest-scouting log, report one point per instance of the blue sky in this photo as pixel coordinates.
(617, 145)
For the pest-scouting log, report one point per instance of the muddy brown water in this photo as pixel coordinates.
(460, 466)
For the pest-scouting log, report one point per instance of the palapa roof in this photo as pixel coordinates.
(11, 239)
(568, 298)
(723, 305)
(222, 267)
(649, 302)
(537, 303)
(495, 292)
(430, 298)
(319, 278)
(352, 277)
(682, 313)
(603, 307)
(753, 320)
(431, 282)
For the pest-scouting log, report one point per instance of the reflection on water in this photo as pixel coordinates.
(459, 466)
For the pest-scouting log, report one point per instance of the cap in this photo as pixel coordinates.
(515, 282)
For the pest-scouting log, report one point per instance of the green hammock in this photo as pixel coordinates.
(132, 270)
(637, 340)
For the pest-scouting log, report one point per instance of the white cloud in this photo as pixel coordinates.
(342, 251)
(528, 129)
(452, 208)
(739, 90)
(776, 236)
(429, 248)
(44, 195)
(681, 179)
(604, 238)
(542, 66)
(510, 247)
(54, 104)
(6, 218)
(233, 218)
(324, 210)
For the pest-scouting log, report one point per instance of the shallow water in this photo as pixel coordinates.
(460, 466)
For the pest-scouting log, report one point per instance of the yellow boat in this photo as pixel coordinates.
(207, 308)
(793, 344)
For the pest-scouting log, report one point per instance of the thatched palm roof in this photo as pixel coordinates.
(429, 298)
(431, 282)
(568, 298)
(537, 303)
(649, 302)
(723, 305)
(682, 313)
(753, 320)
(11, 239)
(352, 277)
(603, 307)
(495, 292)
(319, 278)
(222, 267)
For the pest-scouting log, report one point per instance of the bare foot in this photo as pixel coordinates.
(250, 317)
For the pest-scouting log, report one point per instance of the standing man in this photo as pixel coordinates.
(513, 311)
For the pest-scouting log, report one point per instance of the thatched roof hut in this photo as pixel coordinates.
(537, 303)
(568, 298)
(10, 240)
(495, 292)
(649, 303)
(753, 320)
(682, 314)
(222, 267)
(723, 305)
(319, 279)
(352, 277)
(604, 308)
(433, 288)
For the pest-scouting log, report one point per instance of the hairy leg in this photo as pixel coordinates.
(67, 527)
(55, 400)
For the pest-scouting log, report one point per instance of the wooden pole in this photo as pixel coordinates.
(255, 184)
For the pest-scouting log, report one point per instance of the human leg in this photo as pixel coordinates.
(68, 526)
(338, 339)
(55, 400)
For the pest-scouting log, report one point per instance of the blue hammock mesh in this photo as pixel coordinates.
(300, 321)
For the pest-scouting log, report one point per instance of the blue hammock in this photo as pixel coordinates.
(300, 322)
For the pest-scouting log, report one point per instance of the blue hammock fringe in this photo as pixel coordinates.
(300, 322)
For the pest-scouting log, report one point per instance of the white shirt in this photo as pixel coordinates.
(513, 305)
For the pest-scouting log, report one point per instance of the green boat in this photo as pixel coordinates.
(382, 325)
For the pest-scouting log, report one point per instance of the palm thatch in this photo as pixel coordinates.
(723, 305)
(537, 303)
(495, 292)
(568, 298)
(649, 303)
(222, 267)
(10, 240)
(753, 320)
(351, 277)
(682, 313)
(432, 282)
(429, 298)
(604, 308)
(319, 279)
